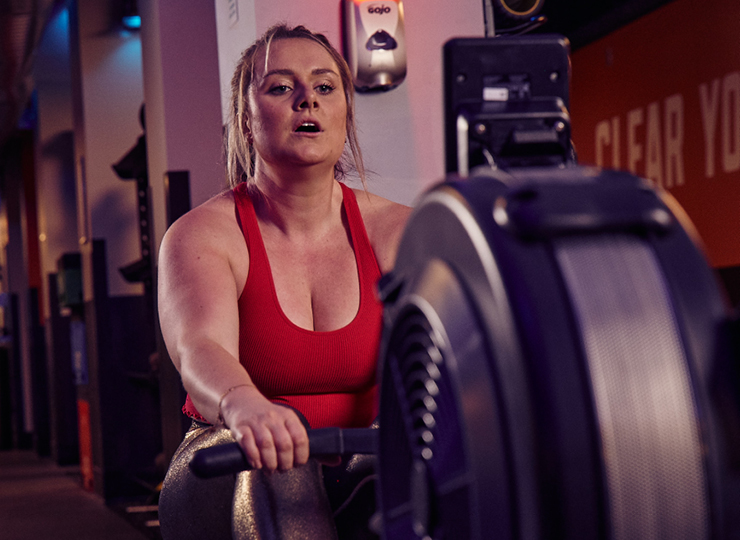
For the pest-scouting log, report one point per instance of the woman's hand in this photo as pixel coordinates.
(271, 435)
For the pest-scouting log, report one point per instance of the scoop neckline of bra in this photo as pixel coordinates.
(273, 290)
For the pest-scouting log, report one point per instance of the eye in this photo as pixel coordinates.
(325, 89)
(279, 89)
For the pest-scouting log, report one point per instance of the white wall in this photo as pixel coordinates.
(112, 93)
(236, 30)
(181, 80)
(400, 131)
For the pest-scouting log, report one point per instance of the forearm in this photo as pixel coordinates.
(221, 389)
(208, 372)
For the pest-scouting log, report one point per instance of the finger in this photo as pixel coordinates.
(283, 447)
(263, 438)
(246, 439)
(300, 440)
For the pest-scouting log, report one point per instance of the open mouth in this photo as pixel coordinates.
(308, 127)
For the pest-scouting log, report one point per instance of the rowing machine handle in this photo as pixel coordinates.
(230, 459)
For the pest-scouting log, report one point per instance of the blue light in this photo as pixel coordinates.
(132, 22)
(61, 21)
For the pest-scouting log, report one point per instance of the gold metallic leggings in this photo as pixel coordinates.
(256, 505)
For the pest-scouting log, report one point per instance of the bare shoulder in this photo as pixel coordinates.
(203, 264)
(384, 221)
(210, 229)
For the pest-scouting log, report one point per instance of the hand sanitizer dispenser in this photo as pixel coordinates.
(375, 45)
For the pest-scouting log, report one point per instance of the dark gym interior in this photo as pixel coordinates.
(89, 401)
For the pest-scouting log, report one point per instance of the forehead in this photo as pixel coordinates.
(294, 54)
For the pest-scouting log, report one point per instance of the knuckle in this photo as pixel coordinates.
(265, 443)
(283, 442)
(301, 439)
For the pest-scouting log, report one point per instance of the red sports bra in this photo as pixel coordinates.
(327, 376)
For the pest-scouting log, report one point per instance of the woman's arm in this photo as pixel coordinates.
(385, 222)
(203, 264)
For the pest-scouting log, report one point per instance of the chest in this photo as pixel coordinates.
(316, 282)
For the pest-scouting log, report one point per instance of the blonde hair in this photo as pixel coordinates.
(240, 153)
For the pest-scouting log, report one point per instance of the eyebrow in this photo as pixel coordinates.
(317, 71)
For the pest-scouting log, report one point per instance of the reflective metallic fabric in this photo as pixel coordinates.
(280, 506)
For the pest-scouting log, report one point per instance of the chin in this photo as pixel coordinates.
(314, 160)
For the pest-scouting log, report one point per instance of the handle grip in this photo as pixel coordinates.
(230, 459)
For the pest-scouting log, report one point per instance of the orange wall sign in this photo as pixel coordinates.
(661, 98)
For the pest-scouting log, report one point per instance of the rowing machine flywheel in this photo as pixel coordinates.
(555, 348)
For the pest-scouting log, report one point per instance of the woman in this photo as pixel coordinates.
(266, 291)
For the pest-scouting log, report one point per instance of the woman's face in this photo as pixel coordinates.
(297, 107)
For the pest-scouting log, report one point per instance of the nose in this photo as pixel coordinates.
(307, 99)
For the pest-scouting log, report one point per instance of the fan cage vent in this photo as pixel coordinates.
(420, 363)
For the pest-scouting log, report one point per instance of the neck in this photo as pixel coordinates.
(300, 202)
